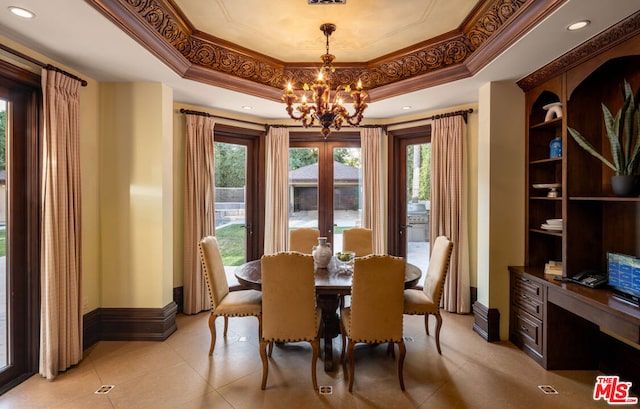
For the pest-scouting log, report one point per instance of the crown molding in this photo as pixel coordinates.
(609, 38)
(162, 28)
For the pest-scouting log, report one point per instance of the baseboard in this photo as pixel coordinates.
(486, 322)
(90, 328)
(178, 298)
(129, 324)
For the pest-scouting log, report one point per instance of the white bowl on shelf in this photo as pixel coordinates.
(554, 222)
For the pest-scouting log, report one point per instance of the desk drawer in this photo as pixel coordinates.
(531, 288)
(528, 303)
(528, 330)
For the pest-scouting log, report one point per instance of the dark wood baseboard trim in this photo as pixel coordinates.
(473, 294)
(90, 328)
(129, 324)
(486, 322)
(178, 298)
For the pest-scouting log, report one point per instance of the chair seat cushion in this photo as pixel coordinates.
(417, 302)
(240, 303)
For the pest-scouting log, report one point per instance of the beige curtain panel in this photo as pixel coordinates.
(373, 203)
(276, 224)
(61, 269)
(449, 206)
(199, 207)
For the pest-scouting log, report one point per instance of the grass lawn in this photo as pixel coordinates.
(3, 242)
(232, 241)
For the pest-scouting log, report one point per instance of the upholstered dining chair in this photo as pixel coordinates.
(303, 239)
(289, 312)
(427, 301)
(241, 303)
(358, 240)
(375, 315)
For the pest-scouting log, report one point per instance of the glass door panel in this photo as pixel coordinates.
(347, 192)
(304, 174)
(418, 199)
(230, 204)
(4, 295)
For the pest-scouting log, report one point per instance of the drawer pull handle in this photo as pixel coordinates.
(526, 280)
(524, 328)
(525, 297)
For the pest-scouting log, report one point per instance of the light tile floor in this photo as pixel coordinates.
(178, 373)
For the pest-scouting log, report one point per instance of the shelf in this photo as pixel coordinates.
(547, 232)
(548, 160)
(604, 199)
(545, 198)
(553, 123)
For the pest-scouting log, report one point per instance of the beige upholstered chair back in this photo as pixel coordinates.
(213, 269)
(288, 298)
(358, 240)
(303, 239)
(438, 267)
(377, 299)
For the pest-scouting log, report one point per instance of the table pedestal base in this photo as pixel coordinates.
(329, 304)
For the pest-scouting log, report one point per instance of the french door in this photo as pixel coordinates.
(325, 187)
(409, 194)
(237, 191)
(19, 227)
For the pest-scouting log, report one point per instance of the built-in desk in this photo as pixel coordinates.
(569, 326)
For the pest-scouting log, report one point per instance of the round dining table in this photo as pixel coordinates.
(332, 282)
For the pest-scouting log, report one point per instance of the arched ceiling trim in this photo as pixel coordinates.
(164, 30)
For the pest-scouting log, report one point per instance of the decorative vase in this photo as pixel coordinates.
(554, 110)
(322, 253)
(555, 148)
(624, 185)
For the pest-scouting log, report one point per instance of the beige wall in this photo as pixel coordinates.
(136, 195)
(500, 177)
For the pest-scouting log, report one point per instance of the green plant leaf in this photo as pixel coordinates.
(612, 126)
(586, 145)
(627, 119)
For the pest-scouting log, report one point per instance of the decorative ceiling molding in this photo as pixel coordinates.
(162, 28)
(607, 39)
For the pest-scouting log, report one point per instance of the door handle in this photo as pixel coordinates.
(249, 229)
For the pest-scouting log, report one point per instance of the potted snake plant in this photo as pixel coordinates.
(623, 133)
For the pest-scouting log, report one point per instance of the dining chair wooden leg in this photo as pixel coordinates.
(212, 330)
(426, 323)
(403, 351)
(270, 348)
(344, 339)
(226, 326)
(351, 364)
(265, 363)
(438, 327)
(315, 345)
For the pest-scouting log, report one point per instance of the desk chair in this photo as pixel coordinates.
(303, 239)
(375, 315)
(241, 303)
(427, 301)
(358, 240)
(289, 312)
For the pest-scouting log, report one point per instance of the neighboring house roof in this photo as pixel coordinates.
(341, 174)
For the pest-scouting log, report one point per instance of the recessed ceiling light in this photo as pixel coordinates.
(21, 12)
(406, 107)
(578, 25)
(247, 107)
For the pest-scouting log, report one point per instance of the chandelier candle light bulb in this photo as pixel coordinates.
(328, 113)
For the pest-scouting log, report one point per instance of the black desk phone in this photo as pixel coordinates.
(589, 278)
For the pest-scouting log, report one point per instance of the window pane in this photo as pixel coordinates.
(418, 204)
(4, 298)
(230, 203)
(303, 187)
(347, 191)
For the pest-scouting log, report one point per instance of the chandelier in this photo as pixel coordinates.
(328, 110)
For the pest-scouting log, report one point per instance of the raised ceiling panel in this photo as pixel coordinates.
(288, 30)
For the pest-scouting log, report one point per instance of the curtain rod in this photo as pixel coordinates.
(41, 64)
(463, 113)
(201, 113)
